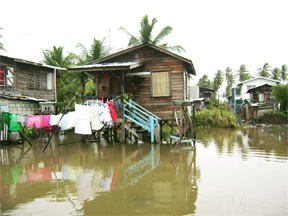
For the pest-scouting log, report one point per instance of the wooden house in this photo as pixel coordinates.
(25, 84)
(206, 93)
(261, 94)
(154, 76)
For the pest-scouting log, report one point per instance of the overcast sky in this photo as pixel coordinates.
(215, 33)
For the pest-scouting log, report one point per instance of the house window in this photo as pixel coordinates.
(34, 80)
(49, 81)
(261, 97)
(237, 91)
(6, 76)
(160, 84)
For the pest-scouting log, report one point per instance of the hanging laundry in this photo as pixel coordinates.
(112, 111)
(82, 120)
(30, 122)
(5, 118)
(55, 119)
(38, 121)
(46, 120)
(105, 116)
(64, 122)
(22, 119)
(71, 120)
(14, 125)
(94, 117)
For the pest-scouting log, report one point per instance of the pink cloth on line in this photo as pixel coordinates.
(46, 121)
(30, 122)
(38, 121)
(34, 120)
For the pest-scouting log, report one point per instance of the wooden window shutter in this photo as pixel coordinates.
(160, 84)
(37, 80)
(31, 79)
(10, 76)
(2, 76)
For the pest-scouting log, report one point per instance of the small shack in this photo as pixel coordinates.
(149, 75)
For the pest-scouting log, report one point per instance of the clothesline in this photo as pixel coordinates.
(84, 119)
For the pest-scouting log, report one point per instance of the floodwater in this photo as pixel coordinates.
(232, 172)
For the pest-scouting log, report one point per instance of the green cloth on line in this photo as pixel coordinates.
(14, 125)
(5, 118)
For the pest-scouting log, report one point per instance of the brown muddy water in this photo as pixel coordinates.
(232, 172)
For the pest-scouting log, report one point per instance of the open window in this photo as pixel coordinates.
(6, 76)
(161, 84)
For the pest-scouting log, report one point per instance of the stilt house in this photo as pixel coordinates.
(154, 76)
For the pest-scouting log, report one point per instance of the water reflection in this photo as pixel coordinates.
(91, 178)
(268, 140)
(75, 178)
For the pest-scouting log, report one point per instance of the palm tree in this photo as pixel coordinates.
(230, 78)
(265, 70)
(284, 73)
(218, 80)
(97, 50)
(204, 82)
(243, 73)
(68, 84)
(1, 45)
(276, 73)
(145, 35)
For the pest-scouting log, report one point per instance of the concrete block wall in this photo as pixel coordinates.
(18, 106)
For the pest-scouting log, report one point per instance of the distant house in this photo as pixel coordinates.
(261, 94)
(240, 95)
(201, 96)
(206, 93)
(25, 84)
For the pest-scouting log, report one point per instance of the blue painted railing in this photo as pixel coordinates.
(140, 116)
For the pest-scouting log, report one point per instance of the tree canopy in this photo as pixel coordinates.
(145, 35)
(1, 45)
(98, 49)
(265, 70)
(243, 73)
(280, 92)
(66, 83)
(205, 82)
(230, 78)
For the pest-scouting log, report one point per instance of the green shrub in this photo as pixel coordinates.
(215, 118)
(274, 117)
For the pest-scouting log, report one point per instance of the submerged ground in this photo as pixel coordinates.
(232, 172)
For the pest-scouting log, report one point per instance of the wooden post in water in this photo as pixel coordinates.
(123, 120)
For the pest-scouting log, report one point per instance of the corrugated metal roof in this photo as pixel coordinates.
(34, 63)
(23, 98)
(108, 64)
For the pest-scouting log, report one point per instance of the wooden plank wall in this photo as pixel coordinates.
(21, 72)
(157, 61)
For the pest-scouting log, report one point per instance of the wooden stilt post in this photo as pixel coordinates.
(123, 123)
(82, 87)
(194, 123)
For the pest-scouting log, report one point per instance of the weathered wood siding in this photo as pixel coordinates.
(21, 74)
(156, 61)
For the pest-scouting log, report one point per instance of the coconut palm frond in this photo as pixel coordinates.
(133, 41)
(162, 34)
